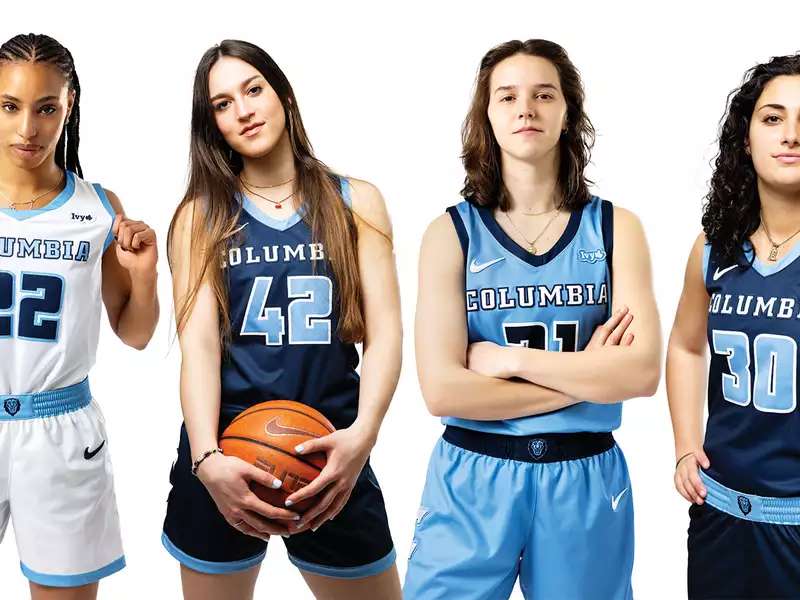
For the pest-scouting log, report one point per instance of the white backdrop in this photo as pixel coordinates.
(383, 90)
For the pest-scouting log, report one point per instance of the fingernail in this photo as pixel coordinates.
(296, 517)
(276, 483)
(315, 528)
(298, 448)
(288, 503)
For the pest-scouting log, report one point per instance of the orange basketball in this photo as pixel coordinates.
(266, 434)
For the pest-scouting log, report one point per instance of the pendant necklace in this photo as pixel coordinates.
(14, 205)
(532, 243)
(773, 253)
(275, 203)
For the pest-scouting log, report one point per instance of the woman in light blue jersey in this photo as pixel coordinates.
(522, 351)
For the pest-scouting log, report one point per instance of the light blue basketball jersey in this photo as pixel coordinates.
(552, 301)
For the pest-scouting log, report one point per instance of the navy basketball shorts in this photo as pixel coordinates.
(355, 544)
(743, 546)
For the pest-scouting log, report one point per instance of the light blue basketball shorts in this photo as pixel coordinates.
(555, 510)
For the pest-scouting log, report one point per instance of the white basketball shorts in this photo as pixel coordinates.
(57, 487)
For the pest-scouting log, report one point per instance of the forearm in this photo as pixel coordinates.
(200, 401)
(686, 381)
(459, 392)
(139, 314)
(380, 371)
(604, 375)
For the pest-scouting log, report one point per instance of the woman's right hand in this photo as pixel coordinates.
(227, 479)
(687, 476)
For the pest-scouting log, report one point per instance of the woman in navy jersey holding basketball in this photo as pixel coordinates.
(518, 350)
(66, 249)
(740, 297)
(279, 267)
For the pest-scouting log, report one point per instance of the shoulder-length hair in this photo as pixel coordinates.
(483, 183)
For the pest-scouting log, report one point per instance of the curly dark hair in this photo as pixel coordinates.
(732, 210)
(483, 183)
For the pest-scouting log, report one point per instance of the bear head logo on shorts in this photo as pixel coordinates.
(537, 448)
(744, 505)
(12, 406)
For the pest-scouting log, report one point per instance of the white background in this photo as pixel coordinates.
(383, 91)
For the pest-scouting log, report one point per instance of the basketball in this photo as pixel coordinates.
(266, 434)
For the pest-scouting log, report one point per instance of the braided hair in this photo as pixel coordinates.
(39, 48)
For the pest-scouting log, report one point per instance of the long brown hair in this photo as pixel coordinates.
(483, 183)
(213, 193)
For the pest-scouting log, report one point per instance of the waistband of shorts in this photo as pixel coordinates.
(763, 509)
(542, 448)
(45, 404)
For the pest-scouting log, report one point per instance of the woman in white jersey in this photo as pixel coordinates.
(516, 349)
(65, 245)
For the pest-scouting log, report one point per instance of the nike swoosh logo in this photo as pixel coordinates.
(718, 273)
(90, 455)
(274, 427)
(475, 267)
(615, 499)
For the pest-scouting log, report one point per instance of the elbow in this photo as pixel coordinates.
(137, 342)
(435, 399)
(645, 382)
(140, 344)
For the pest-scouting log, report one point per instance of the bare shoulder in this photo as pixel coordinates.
(114, 200)
(368, 203)
(626, 221)
(440, 239)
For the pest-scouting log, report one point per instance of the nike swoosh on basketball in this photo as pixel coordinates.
(274, 427)
(475, 267)
(90, 455)
(718, 273)
(615, 499)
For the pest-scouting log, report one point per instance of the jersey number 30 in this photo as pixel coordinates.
(774, 389)
(38, 311)
(311, 304)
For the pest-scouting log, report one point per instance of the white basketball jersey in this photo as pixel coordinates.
(50, 277)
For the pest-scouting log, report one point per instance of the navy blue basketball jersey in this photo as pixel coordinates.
(552, 301)
(753, 431)
(284, 319)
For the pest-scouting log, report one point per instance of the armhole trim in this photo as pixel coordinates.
(101, 193)
(607, 228)
(458, 223)
(344, 187)
(706, 261)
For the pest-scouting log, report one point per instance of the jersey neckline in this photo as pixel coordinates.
(765, 269)
(279, 224)
(57, 202)
(509, 244)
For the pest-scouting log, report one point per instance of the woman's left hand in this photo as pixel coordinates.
(347, 451)
(137, 251)
(490, 359)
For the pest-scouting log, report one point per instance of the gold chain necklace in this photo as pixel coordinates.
(264, 187)
(532, 243)
(773, 253)
(276, 203)
(13, 205)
